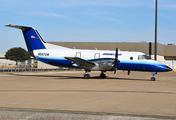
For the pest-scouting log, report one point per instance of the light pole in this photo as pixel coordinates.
(156, 5)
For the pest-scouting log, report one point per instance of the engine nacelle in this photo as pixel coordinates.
(102, 64)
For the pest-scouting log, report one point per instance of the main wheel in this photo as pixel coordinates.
(86, 76)
(152, 78)
(102, 76)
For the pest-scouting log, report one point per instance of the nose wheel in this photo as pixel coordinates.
(153, 78)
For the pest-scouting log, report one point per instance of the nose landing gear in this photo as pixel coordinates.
(153, 78)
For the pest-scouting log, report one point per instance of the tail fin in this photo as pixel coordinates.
(32, 37)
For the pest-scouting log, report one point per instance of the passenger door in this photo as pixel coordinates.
(97, 55)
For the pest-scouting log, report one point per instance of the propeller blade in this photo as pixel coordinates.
(116, 61)
(128, 72)
(115, 72)
(116, 55)
(115, 68)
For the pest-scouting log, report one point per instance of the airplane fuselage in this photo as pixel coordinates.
(128, 60)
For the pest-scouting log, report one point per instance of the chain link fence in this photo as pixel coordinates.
(33, 69)
(26, 66)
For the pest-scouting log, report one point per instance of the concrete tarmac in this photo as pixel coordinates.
(66, 93)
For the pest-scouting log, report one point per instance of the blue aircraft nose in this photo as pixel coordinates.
(168, 68)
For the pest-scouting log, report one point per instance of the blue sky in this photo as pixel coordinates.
(87, 21)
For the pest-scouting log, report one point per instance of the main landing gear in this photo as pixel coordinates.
(153, 78)
(102, 75)
(87, 76)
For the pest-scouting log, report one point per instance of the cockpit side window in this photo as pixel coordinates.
(140, 57)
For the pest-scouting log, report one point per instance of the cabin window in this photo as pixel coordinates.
(78, 54)
(131, 58)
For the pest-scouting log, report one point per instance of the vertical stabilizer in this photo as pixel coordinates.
(32, 38)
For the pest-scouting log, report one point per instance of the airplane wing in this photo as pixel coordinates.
(82, 63)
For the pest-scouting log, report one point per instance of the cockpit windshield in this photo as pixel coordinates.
(143, 57)
(146, 57)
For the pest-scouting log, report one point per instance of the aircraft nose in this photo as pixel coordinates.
(168, 68)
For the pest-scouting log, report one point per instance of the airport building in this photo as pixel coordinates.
(165, 53)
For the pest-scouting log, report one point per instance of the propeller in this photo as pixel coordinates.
(116, 61)
(128, 72)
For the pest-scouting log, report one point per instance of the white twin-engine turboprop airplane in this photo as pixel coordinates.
(89, 60)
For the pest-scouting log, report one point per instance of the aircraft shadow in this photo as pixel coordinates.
(81, 77)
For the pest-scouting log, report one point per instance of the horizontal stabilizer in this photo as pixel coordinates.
(23, 28)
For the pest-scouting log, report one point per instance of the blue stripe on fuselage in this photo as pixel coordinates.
(57, 61)
(141, 65)
(123, 65)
